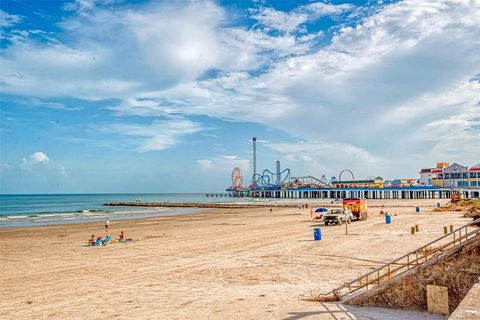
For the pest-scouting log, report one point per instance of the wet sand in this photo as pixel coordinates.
(220, 264)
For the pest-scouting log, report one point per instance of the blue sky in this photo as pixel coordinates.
(164, 96)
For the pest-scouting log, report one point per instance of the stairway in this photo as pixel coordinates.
(411, 260)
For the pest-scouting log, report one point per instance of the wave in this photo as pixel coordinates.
(91, 211)
(52, 213)
(78, 214)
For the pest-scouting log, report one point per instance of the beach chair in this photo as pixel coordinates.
(98, 242)
(107, 240)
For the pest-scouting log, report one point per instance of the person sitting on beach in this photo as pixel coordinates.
(98, 241)
(106, 241)
(91, 242)
(121, 237)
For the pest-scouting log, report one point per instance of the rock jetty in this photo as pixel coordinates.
(200, 205)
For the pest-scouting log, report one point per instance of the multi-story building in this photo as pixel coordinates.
(455, 176)
(474, 176)
(452, 176)
(437, 174)
(426, 177)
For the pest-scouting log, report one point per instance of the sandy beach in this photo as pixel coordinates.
(218, 264)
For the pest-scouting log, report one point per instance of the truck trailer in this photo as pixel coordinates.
(358, 208)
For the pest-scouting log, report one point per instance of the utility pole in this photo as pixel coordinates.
(254, 161)
(345, 210)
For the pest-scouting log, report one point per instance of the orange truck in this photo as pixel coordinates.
(456, 195)
(358, 208)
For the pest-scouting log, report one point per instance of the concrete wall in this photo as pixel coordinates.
(469, 308)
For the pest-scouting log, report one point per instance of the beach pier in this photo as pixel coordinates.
(424, 192)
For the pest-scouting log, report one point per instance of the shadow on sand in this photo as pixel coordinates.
(338, 311)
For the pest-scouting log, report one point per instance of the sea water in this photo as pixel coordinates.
(47, 209)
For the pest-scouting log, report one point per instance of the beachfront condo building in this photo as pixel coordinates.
(455, 175)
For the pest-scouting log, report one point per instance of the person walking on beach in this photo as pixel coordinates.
(106, 225)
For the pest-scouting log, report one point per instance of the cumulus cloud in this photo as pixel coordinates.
(36, 158)
(116, 53)
(38, 163)
(126, 52)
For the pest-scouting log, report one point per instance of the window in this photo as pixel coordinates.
(447, 175)
(465, 175)
(440, 176)
(472, 174)
(473, 183)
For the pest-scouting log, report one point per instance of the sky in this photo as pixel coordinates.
(100, 96)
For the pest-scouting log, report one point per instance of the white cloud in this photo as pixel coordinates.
(114, 54)
(126, 52)
(34, 159)
(159, 135)
(230, 157)
(8, 20)
(320, 9)
(280, 20)
(318, 158)
(81, 6)
(38, 163)
(205, 163)
(51, 105)
(289, 22)
(225, 163)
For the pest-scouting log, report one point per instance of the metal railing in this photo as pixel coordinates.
(408, 261)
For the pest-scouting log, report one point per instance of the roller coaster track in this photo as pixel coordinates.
(269, 180)
(308, 181)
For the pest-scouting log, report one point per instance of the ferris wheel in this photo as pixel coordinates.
(237, 178)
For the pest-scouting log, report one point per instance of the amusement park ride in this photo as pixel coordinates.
(280, 179)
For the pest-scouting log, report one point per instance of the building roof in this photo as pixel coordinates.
(426, 170)
(455, 167)
(354, 181)
(475, 167)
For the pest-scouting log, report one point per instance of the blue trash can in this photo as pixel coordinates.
(438, 204)
(388, 219)
(417, 209)
(317, 234)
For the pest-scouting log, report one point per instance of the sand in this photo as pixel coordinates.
(219, 264)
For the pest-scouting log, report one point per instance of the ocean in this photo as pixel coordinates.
(49, 209)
